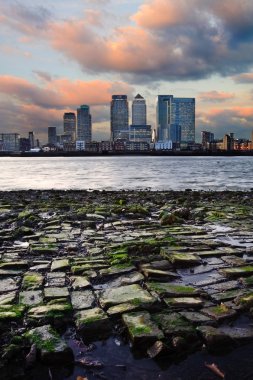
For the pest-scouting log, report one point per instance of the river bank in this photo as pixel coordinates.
(155, 276)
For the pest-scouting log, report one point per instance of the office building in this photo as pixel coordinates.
(119, 117)
(10, 142)
(140, 133)
(206, 139)
(69, 125)
(31, 139)
(24, 144)
(52, 136)
(84, 125)
(174, 112)
(139, 111)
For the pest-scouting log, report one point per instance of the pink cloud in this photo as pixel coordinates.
(215, 96)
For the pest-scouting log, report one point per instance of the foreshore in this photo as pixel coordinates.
(167, 273)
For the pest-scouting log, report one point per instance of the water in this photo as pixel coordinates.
(126, 172)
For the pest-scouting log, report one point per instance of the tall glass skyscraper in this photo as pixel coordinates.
(69, 125)
(84, 124)
(173, 113)
(119, 117)
(139, 111)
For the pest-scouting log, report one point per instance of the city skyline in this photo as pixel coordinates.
(56, 57)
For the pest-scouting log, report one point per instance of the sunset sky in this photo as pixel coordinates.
(56, 55)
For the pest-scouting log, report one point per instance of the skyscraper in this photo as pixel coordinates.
(31, 139)
(119, 117)
(139, 111)
(83, 124)
(69, 125)
(52, 135)
(176, 112)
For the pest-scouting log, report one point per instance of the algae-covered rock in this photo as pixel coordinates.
(59, 265)
(53, 349)
(131, 294)
(54, 293)
(11, 312)
(9, 284)
(180, 259)
(50, 311)
(172, 289)
(219, 312)
(141, 329)
(238, 271)
(32, 281)
(7, 298)
(173, 324)
(79, 282)
(184, 302)
(93, 323)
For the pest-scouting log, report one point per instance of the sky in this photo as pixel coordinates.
(56, 55)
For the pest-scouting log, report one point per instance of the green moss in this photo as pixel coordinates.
(44, 344)
(90, 320)
(140, 330)
(119, 258)
(136, 302)
(32, 281)
(220, 309)
(25, 214)
(11, 312)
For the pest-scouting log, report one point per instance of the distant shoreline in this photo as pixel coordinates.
(134, 153)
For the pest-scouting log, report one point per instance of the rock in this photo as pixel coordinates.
(171, 289)
(197, 318)
(128, 279)
(173, 324)
(52, 347)
(59, 265)
(116, 270)
(32, 281)
(56, 279)
(141, 329)
(55, 293)
(215, 340)
(184, 302)
(159, 275)
(219, 312)
(79, 282)
(245, 301)
(7, 298)
(180, 259)
(238, 271)
(9, 284)
(133, 294)
(121, 308)
(11, 312)
(157, 349)
(93, 323)
(83, 299)
(30, 297)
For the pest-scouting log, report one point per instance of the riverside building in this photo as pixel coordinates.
(175, 116)
(84, 126)
(69, 125)
(119, 117)
(139, 111)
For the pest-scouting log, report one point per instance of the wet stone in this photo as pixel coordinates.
(239, 334)
(82, 299)
(93, 323)
(238, 272)
(79, 282)
(141, 329)
(196, 318)
(221, 287)
(157, 274)
(31, 297)
(121, 309)
(8, 284)
(7, 298)
(131, 294)
(114, 271)
(55, 293)
(180, 259)
(227, 295)
(10, 313)
(128, 279)
(215, 339)
(32, 281)
(172, 289)
(56, 279)
(58, 310)
(233, 260)
(52, 347)
(219, 312)
(59, 265)
(184, 302)
(173, 324)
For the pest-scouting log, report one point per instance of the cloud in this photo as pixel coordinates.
(30, 20)
(34, 107)
(215, 96)
(244, 78)
(238, 120)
